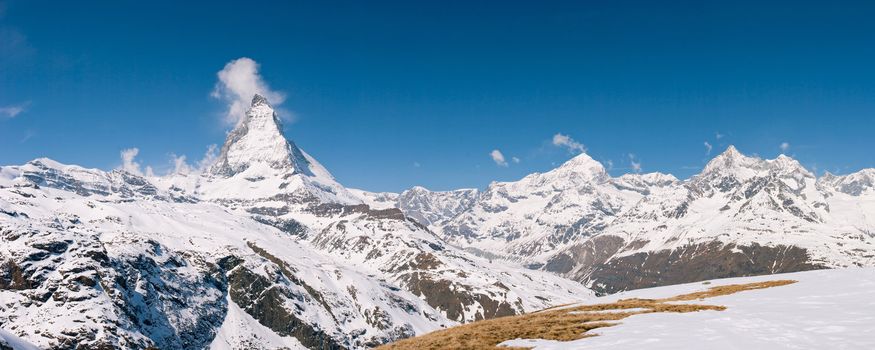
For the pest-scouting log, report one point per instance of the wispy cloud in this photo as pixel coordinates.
(498, 158)
(29, 134)
(209, 158)
(416, 165)
(785, 146)
(566, 141)
(635, 163)
(718, 135)
(13, 111)
(180, 166)
(515, 160)
(238, 82)
(708, 147)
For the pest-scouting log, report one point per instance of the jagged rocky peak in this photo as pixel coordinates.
(258, 140)
(785, 165)
(643, 183)
(734, 162)
(854, 184)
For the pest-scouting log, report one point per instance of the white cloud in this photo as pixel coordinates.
(515, 160)
(416, 165)
(785, 146)
(128, 162)
(180, 166)
(566, 141)
(12, 111)
(718, 135)
(498, 158)
(130, 165)
(634, 163)
(238, 82)
(610, 164)
(708, 147)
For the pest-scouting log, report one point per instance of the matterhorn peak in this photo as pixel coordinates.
(258, 100)
(256, 156)
(258, 141)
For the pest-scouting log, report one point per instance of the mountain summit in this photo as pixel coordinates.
(257, 161)
(258, 139)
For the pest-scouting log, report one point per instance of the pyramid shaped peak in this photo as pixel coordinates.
(258, 100)
(259, 139)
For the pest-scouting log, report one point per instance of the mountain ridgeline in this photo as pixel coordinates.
(740, 216)
(264, 249)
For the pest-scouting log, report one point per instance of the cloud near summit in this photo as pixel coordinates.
(574, 147)
(238, 82)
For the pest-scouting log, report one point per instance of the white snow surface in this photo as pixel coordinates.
(825, 309)
(736, 199)
(15, 342)
(128, 260)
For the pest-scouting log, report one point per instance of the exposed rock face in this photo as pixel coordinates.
(263, 300)
(455, 299)
(591, 252)
(740, 216)
(429, 208)
(85, 297)
(263, 251)
(694, 263)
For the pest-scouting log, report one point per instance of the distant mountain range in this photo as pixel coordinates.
(740, 216)
(265, 249)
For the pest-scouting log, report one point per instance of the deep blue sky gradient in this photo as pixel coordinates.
(378, 87)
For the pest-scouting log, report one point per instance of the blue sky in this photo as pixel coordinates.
(393, 94)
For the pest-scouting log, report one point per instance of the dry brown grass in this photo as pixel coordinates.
(564, 324)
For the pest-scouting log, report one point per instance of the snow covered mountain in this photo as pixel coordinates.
(741, 216)
(263, 250)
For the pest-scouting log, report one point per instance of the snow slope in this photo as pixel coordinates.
(827, 309)
(745, 214)
(262, 250)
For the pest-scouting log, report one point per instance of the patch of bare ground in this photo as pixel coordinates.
(565, 324)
